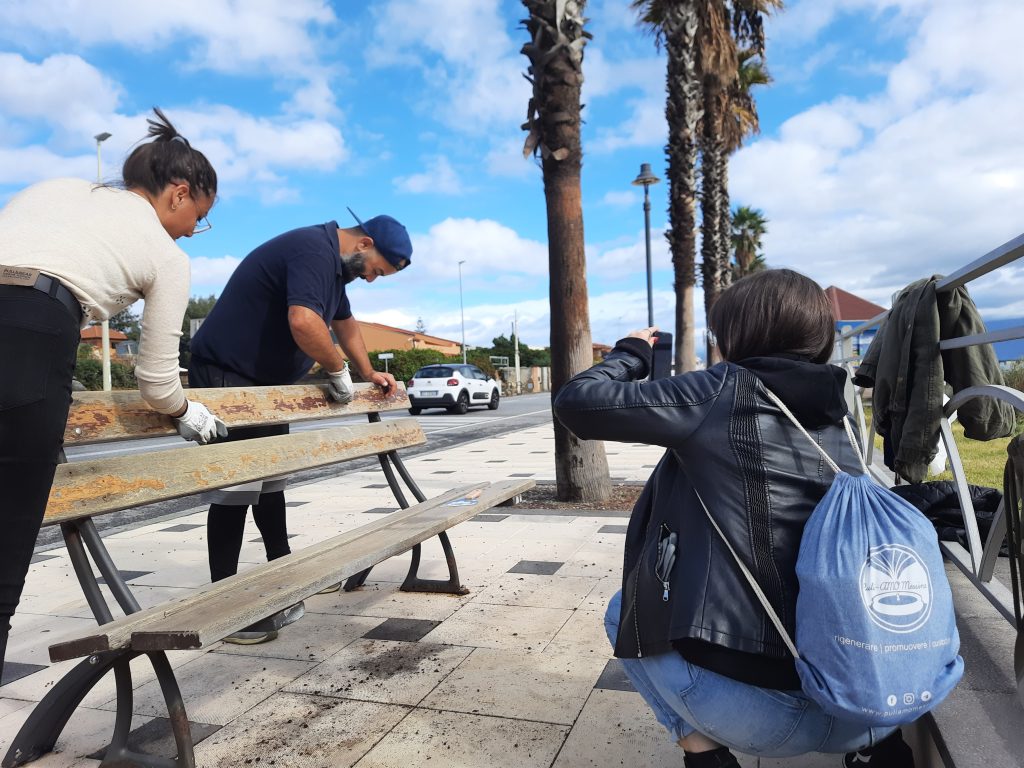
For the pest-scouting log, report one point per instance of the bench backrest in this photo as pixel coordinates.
(99, 486)
(98, 417)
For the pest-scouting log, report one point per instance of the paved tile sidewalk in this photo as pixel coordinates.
(518, 673)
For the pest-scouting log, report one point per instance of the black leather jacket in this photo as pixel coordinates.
(758, 475)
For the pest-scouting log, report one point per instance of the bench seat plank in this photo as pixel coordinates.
(229, 605)
(87, 488)
(98, 417)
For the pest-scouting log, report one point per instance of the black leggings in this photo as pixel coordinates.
(225, 523)
(38, 345)
(225, 528)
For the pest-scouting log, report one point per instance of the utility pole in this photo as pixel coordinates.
(462, 313)
(515, 346)
(104, 325)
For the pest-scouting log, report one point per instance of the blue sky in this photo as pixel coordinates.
(891, 145)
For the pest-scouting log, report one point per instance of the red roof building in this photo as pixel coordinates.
(850, 311)
(847, 308)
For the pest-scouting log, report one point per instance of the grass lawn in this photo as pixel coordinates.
(983, 461)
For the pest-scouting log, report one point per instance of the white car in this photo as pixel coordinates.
(454, 386)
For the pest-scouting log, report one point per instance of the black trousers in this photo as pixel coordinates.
(225, 523)
(38, 345)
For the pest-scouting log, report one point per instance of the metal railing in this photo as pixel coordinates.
(978, 559)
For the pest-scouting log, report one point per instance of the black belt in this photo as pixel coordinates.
(57, 290)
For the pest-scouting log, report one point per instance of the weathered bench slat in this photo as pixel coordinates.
(98, 417)
(117, 634)
(229, 605)
(85, 488)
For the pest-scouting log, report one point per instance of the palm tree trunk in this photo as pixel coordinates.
(581, 467)
(683, 112)
(556, 56)
(712, 157)
(725, 254)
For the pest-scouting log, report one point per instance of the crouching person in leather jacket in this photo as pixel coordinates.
(693, 638)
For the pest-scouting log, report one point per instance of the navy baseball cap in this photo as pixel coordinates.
(389, 237)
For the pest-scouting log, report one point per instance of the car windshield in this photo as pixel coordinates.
(433, 373)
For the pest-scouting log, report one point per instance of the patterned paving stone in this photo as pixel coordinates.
(181, 528)
(407, 630)
(539, 567)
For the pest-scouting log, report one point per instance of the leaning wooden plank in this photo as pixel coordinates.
(262, 591)
(208, 621)
(85, 488)
(98, 417)
(117, 634)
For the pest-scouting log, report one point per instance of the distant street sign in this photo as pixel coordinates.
(501, 361)
(385, 355)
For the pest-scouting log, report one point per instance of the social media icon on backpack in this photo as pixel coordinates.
(926, 696)
(908, 698)
(891, 701)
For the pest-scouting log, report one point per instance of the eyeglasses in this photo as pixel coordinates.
(202, 225)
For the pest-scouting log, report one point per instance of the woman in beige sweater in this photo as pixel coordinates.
(71, 252)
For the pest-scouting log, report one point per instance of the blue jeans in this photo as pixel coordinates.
(757, 721)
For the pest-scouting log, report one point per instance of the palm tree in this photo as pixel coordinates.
(675, 24)
(740, 120)
(730, 114)
(719, 67)
(553, 123)
(748, 227)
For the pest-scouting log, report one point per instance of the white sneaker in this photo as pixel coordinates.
(246, 637)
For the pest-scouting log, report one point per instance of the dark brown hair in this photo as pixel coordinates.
(774, 311)
(168, 159)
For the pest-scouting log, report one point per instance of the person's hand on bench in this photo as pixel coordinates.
(199, 424)
(339, 385)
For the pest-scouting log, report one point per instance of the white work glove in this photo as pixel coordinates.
(198, 424)
(339, 385)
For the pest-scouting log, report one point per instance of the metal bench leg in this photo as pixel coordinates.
(43, 727)
(412, 583)
(452, 586)
(119, 754)
(356, 581)
(40, 732)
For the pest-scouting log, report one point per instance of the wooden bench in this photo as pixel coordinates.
(86, 489)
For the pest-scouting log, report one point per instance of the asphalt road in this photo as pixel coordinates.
(443, 430)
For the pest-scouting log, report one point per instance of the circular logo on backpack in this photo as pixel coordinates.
(896, 588)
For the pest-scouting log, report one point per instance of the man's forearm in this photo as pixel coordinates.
(351, 340)
(312, 337)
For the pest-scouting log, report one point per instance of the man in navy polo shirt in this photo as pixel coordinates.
(271, 323)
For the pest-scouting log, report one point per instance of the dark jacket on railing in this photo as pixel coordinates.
(906, 370)
(759, 477)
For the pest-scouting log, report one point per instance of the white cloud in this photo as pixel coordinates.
(487, 247)
(61, 85)
(621, 198)
(506, 159)
(921, 177)
(210, 274)
(222, 35)
(470, 64)
(605, 77)
(630, 259)
(26, 165)
(645, 126)
(251, 154)
(439, 178)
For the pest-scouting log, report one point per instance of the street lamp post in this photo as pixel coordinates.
(462, 313)
(104, 325)
(645, 179)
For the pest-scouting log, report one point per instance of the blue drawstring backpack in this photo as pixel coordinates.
(876, 638)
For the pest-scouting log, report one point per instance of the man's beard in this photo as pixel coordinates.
(355, 265)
